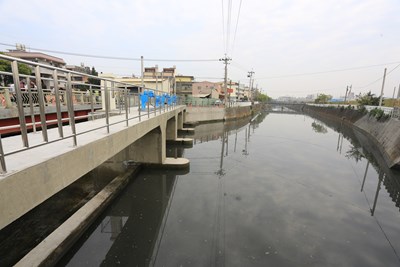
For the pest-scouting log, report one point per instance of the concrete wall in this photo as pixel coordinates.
(203, 114)
(237, 112)
(25, 189)
(386, 134)
(208, 114)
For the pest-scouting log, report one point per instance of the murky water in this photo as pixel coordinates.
(285, 190)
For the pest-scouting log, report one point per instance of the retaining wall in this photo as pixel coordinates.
(210, 114)
(385, 133)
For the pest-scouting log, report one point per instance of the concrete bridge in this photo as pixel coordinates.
(37, 164)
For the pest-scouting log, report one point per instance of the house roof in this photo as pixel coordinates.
(33, 55)
(201, 95)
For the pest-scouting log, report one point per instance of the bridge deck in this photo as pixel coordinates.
(33, 156)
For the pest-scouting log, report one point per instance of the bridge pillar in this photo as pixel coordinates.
(150, 148)
(171, 129)
(180, 120)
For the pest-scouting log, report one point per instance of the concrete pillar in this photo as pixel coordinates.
(180, 120)
(150, 148)
(171, 130)
(110, 90)
(184, 116)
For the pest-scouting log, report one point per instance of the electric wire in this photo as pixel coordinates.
(237, 23)
(113, 57)
(223, 28)
(377, 80)
(329, 71)
(228, 26)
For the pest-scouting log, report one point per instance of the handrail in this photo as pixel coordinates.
(31, 101)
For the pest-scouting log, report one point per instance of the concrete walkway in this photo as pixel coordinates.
(57, 146)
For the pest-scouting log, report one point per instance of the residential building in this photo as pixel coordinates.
(76, 78)
(43, 59)
(183, 85)
(207, 89)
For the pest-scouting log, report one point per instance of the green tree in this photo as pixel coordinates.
(262, 98)
(5, 66)
(319, 128)
(323, 99)
(368, 99)
(94, 80)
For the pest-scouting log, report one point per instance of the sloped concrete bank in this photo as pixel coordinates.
(384, 133)
(213, 114)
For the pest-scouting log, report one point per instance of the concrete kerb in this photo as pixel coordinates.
(53, 248)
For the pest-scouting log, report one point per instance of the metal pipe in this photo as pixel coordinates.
(41, 104)
(126, 105)
(28, 81)
(70, 106)
(58, 104)
(2, 159)
(21, 114)
(107, 106)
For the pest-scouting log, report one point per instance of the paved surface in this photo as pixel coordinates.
(32, 156)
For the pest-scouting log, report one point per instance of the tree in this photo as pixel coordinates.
(368, 99)
(262, 98)
(94, 80)
(323, 99)
(319, 128)
(5, 66)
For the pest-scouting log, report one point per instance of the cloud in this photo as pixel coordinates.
(273, 37)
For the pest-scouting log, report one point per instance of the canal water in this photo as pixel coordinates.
(282, 190)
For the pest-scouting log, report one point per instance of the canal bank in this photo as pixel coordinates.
(274, 192)
(384, 132)
(215, 113)
(67, 233)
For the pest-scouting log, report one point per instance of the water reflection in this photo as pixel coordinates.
(266, 192)
(390, 178)
(319, 128)
(128, 231)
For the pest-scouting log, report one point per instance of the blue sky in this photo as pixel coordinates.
(276, 39)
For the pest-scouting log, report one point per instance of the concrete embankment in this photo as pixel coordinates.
(385, 133)
(216, 113)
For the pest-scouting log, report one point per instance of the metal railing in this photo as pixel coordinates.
(29, 98)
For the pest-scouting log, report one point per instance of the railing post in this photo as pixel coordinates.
(70, 106)
(140, 104)
(155, 103)
(58, 104)
(126, 105)
(148, 107)
(20, 105)
(107, 105)
(160, 102)
(119, 101)
(41, 104)
(28, 82)
(3, 168)
(91, 101)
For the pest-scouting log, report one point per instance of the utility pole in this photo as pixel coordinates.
(225, 59)
(141, 61)
(345, 96)
(383, 86)
(250, 75)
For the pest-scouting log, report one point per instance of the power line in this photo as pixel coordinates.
(228, 25)
(223, 28)
(237, 22)
(113, 57)
(377, 80)
(328, 71)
